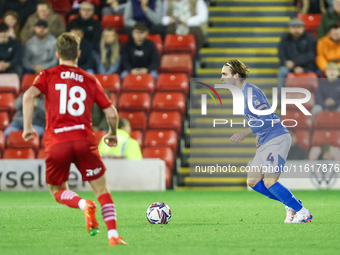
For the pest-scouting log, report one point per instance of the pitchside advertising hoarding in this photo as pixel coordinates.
(219, 111)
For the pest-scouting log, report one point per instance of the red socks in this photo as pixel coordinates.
(68, 198)
(108, 210)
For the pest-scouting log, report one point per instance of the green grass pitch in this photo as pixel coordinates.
(203, 222)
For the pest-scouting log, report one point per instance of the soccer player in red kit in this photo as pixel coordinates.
(69, 95)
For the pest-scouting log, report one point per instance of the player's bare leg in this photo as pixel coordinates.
(103, 195)
(71, 199)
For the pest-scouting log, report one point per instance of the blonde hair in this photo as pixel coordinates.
(114, 48)
(68, 46)
(17, 25)
(332, 66)
(238, 67)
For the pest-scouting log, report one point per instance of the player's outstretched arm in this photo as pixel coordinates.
(238, 137)
(112, 119)
(27, 109)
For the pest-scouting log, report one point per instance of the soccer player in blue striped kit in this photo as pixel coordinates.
(273, 142)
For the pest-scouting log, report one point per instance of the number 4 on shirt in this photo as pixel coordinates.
(270, 158)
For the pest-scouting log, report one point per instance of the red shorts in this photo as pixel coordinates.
(82, 153)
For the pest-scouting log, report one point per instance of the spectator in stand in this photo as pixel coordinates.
(115, 7)
(38, 117)
(146, 11)
(184, 17)
(10, 52)
(39, 52)
(328, 48)
(24, 8)
(324, 152)
(296, 152)
(109, 51)
(86, 60)
(329, 19)
(77, 3)
(297, 51)
(139, 55)
(327, 97)
(44, 12)
(127, 146)
(314, 7)
(91, 28)
(11, 18)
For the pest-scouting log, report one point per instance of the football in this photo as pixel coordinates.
(158, 213)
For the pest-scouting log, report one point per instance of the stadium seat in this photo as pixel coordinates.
(61, 6)
(137, 119)
(307, 81)
(157, 40)
(323, 136)
(74, 16)
(98, 135)
(123, 38)
(168, 177)
(4, 120)
(15, 140)
(161, 138)
(165, 120)
(294, 95)
(176, 63)
(15, 153)
(164, 153)
(303, 121)
(174, 82)
(138, 83)
(9, 83)
(110, 82)
(27, 81)
(113, 20)
(303, 138)
(312, 22)
(175, 44)
(2, 140)
(113, 97)
(330, 120)
(130, 101)
(41, 154)
(165, 101)
(138, 136)
(7, 102)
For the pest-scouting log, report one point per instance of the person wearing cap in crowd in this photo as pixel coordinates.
(329, 19)
(328, 48)
(297, 51)
(44, 12)
(39, 52)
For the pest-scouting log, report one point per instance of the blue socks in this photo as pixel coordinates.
(259, 187)
(285, 196)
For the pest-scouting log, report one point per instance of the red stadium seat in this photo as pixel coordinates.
(330, 120)
(164, 153)
(9, 83)
(139, 82)
(61, 6)
(15, 140)
(295, 95)
(161, 138)
(312, 22)
(27, 81)
(176, 63)
(41, 153)
(138, 136)
(114, 99)
(123, 38)
(7, 102)
(129, 101)
(303, 121)
(157, 40)
(4, 120)
(180, 44)
(2, 140)
(15, 153)
(114, 20)
(164, 101)
(303, 138)
(110, 82)
(173, 82)
(98, 135)
(136, 119)
(166, 120)
(74, 16)
(322, 136)
(306, 80)
(168, 177)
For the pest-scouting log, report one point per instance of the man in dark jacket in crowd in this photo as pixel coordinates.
(329, 19)
(297, 51)
(10, 52)
(139, 55)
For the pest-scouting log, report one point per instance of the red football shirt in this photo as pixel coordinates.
(69, 96)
